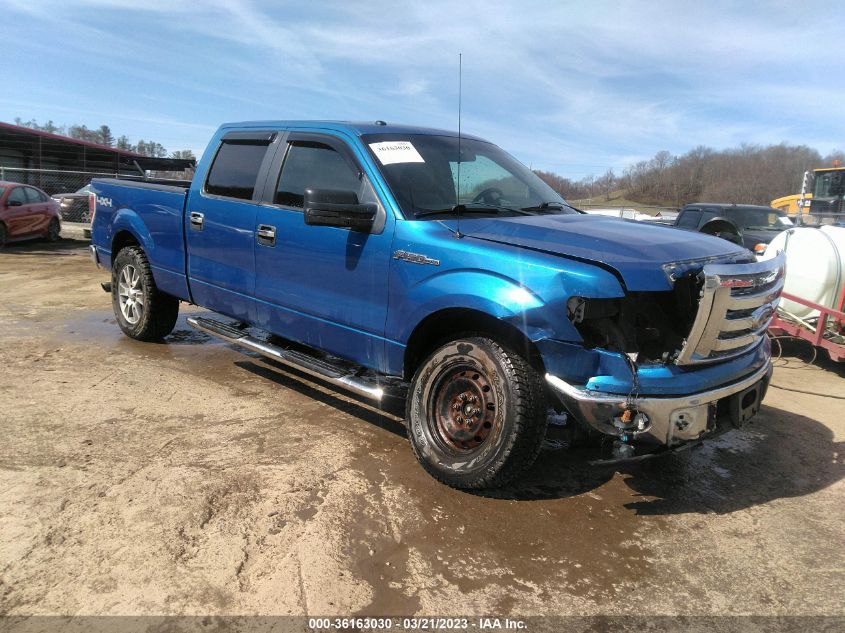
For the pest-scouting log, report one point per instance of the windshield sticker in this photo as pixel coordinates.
(390, 152)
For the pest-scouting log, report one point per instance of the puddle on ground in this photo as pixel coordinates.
(565, 522)
(586, 531)
(564, 525)
(101, 326)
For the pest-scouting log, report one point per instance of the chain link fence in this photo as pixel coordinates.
(53, 182)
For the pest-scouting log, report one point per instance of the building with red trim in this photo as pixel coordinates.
(23, 149)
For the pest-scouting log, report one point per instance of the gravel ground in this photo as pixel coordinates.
(188, 478)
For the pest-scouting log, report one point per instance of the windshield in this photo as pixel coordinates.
(762, 218)
(829, 184)
(422, 171)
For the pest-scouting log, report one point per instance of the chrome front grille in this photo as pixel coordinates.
(736, 304)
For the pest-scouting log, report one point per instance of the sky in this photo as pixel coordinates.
(576, 88)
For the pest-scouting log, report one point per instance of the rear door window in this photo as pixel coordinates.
(689, 219)
(32, 196)
(313, 165)
(235, 169)
(17, 194)
(708, 214)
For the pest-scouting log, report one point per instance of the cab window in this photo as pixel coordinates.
(689, 219)
(708, 214)
(313, 165)
(235, 170)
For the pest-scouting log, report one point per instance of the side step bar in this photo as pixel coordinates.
(303, 362)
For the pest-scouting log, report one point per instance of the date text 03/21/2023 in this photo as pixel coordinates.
(416, 624)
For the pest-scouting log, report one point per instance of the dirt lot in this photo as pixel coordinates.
(186, 477)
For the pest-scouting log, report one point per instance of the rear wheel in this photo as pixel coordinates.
(476, 413)
(2, 235)
(143, 312)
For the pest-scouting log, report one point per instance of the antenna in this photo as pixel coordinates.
(458, 233)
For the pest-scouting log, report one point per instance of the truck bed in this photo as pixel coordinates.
(153, 211)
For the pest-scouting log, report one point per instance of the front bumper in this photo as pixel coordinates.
(670, 420)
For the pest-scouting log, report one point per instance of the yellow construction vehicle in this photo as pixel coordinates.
(821, 193)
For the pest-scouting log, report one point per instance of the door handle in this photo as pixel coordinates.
(266, 235)
(197, 219)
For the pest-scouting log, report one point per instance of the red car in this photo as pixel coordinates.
(26, 212)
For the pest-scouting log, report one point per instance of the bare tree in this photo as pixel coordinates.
(746, 174)
(606, 183)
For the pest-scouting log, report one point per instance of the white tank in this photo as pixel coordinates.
(815, 266)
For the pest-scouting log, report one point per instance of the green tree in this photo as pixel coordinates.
(124, 143)
(185, 154)
(105, 135)
(82, 133)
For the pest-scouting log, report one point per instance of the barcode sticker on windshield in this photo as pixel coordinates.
(390, 152)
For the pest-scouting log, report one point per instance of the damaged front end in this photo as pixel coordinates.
(677, 365)
(665, 421)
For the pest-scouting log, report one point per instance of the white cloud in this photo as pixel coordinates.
(573, 85)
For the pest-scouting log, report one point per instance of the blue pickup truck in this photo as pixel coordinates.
(383, 257)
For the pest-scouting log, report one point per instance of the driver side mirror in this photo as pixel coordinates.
(329, 207)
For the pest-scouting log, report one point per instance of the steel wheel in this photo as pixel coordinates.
(131, 294)
(476, 413)
(464, 407)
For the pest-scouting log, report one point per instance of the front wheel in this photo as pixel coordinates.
(143, 312)
(476, 413)
(54, 230)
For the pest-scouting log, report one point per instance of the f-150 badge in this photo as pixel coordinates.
(415, 258)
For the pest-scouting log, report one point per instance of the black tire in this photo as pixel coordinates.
(498, 431)
(54, 230)
(2, 235)
(724, 229)
(156, 315)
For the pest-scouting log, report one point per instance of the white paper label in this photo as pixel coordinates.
(390, 152)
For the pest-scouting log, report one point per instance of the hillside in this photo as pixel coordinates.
(749, 174)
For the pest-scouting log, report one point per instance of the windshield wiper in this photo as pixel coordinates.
(548, 206)
(768, 228)
(471, 207)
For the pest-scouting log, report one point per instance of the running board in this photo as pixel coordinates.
(336, 375)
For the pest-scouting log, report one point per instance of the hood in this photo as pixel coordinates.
(636, 250)
(752, 237)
